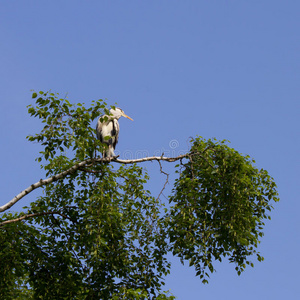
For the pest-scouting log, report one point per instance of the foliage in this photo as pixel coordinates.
(220, 201)
(98, 233)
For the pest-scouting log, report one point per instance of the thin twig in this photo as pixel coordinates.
(167, 179)
(90, 171)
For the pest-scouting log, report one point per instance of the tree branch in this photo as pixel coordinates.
(34, 215)
(80, 165)
(43, 182)
(158, 158)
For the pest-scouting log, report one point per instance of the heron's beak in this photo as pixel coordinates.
(127, 117)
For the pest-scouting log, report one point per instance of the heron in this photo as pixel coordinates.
(108, 130)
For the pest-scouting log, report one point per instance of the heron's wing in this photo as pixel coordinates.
(109, 128)
(115, 133)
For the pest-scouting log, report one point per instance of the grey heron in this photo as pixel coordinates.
(108, 130)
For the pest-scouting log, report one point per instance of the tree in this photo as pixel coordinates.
(97, 232)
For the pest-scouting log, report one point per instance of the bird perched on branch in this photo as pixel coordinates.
(108, 129)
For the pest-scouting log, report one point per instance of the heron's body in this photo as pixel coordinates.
(108, 130)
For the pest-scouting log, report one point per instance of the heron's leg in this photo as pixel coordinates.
(111, 151)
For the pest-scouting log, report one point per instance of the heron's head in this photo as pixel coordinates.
(118, 113)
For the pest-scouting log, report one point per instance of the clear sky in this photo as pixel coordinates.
(225, 69)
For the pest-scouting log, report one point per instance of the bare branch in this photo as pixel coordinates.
(34, 215)
(158, 158)
(80, 165)
(41, 183)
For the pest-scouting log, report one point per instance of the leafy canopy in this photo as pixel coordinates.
(98, 233)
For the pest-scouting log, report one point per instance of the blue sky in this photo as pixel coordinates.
(224, 69)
